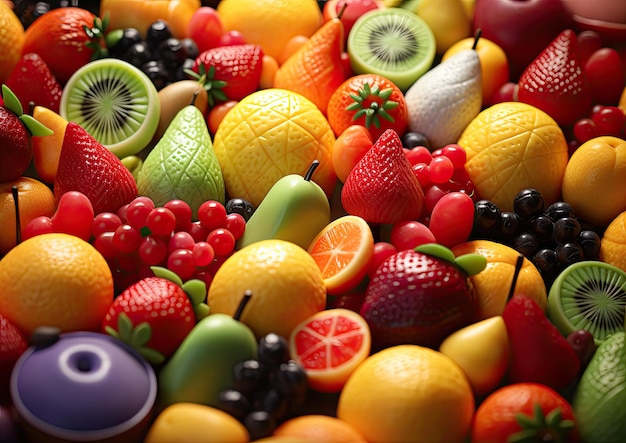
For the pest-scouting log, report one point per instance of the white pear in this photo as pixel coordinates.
(443, 101)
(482, 351)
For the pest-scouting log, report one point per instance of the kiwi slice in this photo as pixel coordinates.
(115, 103)
(589, 295)
(391, 42)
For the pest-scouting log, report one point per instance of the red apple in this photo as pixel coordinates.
(353, 10)
(523, 28)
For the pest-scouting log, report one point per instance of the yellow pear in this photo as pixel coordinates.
(482, 351)
(448, 19)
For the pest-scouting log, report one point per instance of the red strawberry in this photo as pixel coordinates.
(232, 72)
(12, 345)
(418, 298)
(154, 316)
(382, 187)
(88, 167)
(32, 81)
(555, 82)
(539, 353)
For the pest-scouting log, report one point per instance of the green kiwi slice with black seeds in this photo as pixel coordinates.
(391, 42)
(115, 103)
(589, 295)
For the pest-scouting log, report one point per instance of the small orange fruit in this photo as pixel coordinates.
(34, 198)
(408, 393)
(330, 345)
(613, 243)
(343, 250)
(11, 41)
(55, 280)
(493, 283)
(512, 146)
(595, 178)
(319, 428)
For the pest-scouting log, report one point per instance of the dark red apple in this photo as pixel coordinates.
(353, 10)
(523, 28)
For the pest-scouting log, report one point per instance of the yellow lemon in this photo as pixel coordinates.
(270, 23)
(408, 393)
(493, 283)
(511, 146)
(595, 179)
(286, 283)
(269, 134)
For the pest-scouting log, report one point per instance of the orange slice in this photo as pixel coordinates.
(329, 345)
(343, 250)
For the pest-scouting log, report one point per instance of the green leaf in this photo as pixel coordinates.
(35, 127)
(384, 114)
(162, 272)
(142, 333)
(437, 250)
(124, 327)
(386, 93)
(112, 332)
(471, 263)
(196, 290)
(11, 101)
(152, 355)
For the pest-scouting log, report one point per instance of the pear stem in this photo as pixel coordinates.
(477, 36)
(311, 170)
(518, 267)
(343, 8)
(242, 304)
(16, 202)
(194, 97)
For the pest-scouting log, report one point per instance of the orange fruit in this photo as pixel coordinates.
(286, 283)
(343, 251)
(319, 428)
(269, 134)
(197, 423)
(613, 243)
(47, 148)
(329, 345)
(493, 283)
(11, 41)
(512, 146)
(55, 280)
(408, 393)
(270, 23)
(35, 199)
(595, 178)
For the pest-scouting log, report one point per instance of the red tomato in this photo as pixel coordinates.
(217, 113)
(60, 39)
(497, 419)
(369, 100)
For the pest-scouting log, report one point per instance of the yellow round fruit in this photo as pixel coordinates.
(286, 284)
(613, 243)
(493, 283)
(270, 23)
(319, 428)
(269, 134)
(11, 41)
(55, 280)
(193, 422)
(595, 179)
(408, 393)
(512, 146)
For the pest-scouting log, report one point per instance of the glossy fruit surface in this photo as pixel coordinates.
(318, 428)
(55, 280)
(428, 396)
(330, 345)
(47, 148)
(613, 243)
(11, 41)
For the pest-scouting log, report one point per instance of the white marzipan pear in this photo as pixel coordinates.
(446, 99)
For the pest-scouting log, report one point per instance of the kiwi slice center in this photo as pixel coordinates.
(602, 303)
(108, 105)
(392, 42)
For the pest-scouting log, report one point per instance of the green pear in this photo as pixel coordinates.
(482, 351)
(295, 209)
(183, 165)
(202, 366)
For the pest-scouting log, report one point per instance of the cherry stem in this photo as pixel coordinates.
(311, 170)
(518, 268)
(16, 201)
(242, 304)
(477, 35)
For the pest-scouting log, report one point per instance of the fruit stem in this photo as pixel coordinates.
(341, 11)
(311, 170)
(242, 304)
(194, 97)
(16, 202)
(518, 268)
(477, 36)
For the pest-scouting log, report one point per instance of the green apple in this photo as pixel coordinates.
(482, 351)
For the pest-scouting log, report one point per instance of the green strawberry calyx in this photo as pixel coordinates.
(213, 86)
(541, 427)
(470, 263)
(12, 103)
(195, 289)
(375, 110)
(136, 336)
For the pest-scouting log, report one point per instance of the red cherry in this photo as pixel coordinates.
(605, 72)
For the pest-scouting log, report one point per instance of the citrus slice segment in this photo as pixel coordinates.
(343, 250)
(329, 345)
